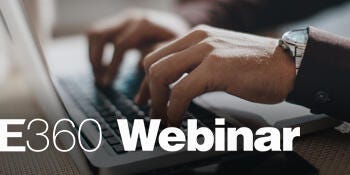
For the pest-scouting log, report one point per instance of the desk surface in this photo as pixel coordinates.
(328, 151)
(17, 102)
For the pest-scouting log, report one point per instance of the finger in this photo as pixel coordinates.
(150, 47)
(112, 69)
(125, 41)
(133, 37)
(193, 85)
(145, 49)
(96, 46)
(175, 46)
(168, 70)
(102, 33)
(98, 38)
(143, 94)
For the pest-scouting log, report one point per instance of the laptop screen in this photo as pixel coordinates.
(5, 44)
(29, 58)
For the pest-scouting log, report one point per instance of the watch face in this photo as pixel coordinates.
(296, 36)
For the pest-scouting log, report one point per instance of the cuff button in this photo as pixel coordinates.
(322, 97)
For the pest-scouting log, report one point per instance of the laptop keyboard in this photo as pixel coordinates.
(108, 105)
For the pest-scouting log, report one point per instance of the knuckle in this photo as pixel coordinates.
(136, 15)
(200, 31)
(209, 43)
(147, 63)
(137, 19)
(133, 19)
(144, 21)
(155, 73)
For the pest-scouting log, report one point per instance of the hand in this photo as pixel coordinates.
(139, 29)
(251, 67)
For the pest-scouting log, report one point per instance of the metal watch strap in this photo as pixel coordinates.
(295, 44)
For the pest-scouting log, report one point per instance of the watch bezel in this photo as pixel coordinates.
(287, 39)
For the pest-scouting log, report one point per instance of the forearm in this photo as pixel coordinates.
(323, 80)
(248, 15)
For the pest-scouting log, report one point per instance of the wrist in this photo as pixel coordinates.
(287, 71)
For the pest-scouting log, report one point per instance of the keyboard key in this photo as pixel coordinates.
(116, 130)
(103, 126)
(90, 110)
(99, 120)
(119, 148)
(113, 125)
(96, 100)
(102, 108)
(113, 141)
(107, 113)
(107, 133)
(108, 105)
(110, 119)
(119, 115)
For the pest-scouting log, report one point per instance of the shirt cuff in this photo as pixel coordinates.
(323, 80)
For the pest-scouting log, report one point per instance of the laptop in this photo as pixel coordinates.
(74, 96)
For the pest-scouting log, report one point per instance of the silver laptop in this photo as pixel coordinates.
(77, 98)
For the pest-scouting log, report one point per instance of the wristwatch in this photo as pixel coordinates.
(294, 43)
